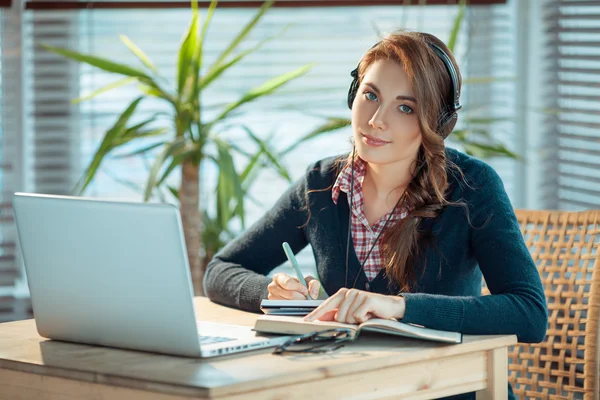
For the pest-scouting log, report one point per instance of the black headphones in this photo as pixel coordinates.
(448, 116)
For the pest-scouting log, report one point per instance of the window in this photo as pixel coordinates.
(58, 138)
(571, 168)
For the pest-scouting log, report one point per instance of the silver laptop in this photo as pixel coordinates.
(116, 274)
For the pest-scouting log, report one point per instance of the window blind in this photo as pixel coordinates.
(53, 138)
(572, 151)
(10, 157)
(59, 137)
(331, 38)
(140, 4)
(489, 72)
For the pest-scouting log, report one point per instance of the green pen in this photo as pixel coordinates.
(290, 255)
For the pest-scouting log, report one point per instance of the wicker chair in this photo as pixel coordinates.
(566, 249)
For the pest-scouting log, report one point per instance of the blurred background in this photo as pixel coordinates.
(531, 102)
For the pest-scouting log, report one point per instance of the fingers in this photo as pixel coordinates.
(360, 311)
(284, 287)
(350, 298)
(314, 287)
(328, 316)
(280, 294)
(328, 305)
(349, 306)
(286, 282)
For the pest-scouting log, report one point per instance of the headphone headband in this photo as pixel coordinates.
(451, 71)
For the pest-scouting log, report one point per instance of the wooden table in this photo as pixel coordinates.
(375, 366)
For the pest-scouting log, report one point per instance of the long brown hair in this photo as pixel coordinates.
(425, 195)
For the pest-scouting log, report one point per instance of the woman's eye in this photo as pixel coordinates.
(371, 96)
(405, 109)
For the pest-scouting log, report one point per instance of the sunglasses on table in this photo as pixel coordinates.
(316, 342)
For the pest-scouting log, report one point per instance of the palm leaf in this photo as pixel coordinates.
(138, 53)
(126, 138)
(209, 15)
(139, 126)
(167, 152)
(269, 154)
(221, 68)
(487, 151)
(332, 124)
(106, 146)
(263, 90)
(139, 151)
(252, 164)
(177, 160)
(487, 121)
(229, 186)
(174, 192)
(125, 182)
(242, 35)
(188, 50)
(247, 177)
(152, 89)
(456, 26)
(103, 64)
(114, 85)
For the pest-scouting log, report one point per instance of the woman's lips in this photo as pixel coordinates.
(373, 142)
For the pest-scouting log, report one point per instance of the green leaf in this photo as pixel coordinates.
(272, 158)
(242, 35)
(487, 121)
(114, 85)
(247, 177)
(229, 187)
(119, 126)
(177, 160)
(175, 193)
(456, 26)
(217, 71)
(126, 138)
(98, 62)
(332, 124)
(209, 15)
(138, 53)
(151, 91)
(106, 146)
(252, 164)
(264, 89)
(188, 49)
(487, 151)
(139, 151)
(151, 88)
(125, 182)
(167, 152)
(240, 149)
(139, 126)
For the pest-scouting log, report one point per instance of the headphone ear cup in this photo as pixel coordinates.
(353, 88)
(446, 124)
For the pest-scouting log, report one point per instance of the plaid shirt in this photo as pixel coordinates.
(363, 235)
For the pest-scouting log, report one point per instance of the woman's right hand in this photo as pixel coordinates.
(285, 287)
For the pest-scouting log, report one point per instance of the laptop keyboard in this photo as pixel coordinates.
(213, 339)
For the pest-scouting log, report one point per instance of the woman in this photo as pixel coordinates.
(402, 227)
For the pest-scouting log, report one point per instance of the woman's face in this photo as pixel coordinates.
(384, 120)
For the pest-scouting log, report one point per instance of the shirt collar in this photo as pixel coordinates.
(344, 178)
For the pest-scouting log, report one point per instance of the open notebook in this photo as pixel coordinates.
(297, 326)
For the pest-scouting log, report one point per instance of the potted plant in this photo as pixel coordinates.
(182, 144)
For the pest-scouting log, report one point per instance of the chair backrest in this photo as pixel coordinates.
(566, 249)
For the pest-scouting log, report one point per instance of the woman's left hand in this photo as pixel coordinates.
(355, 306)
